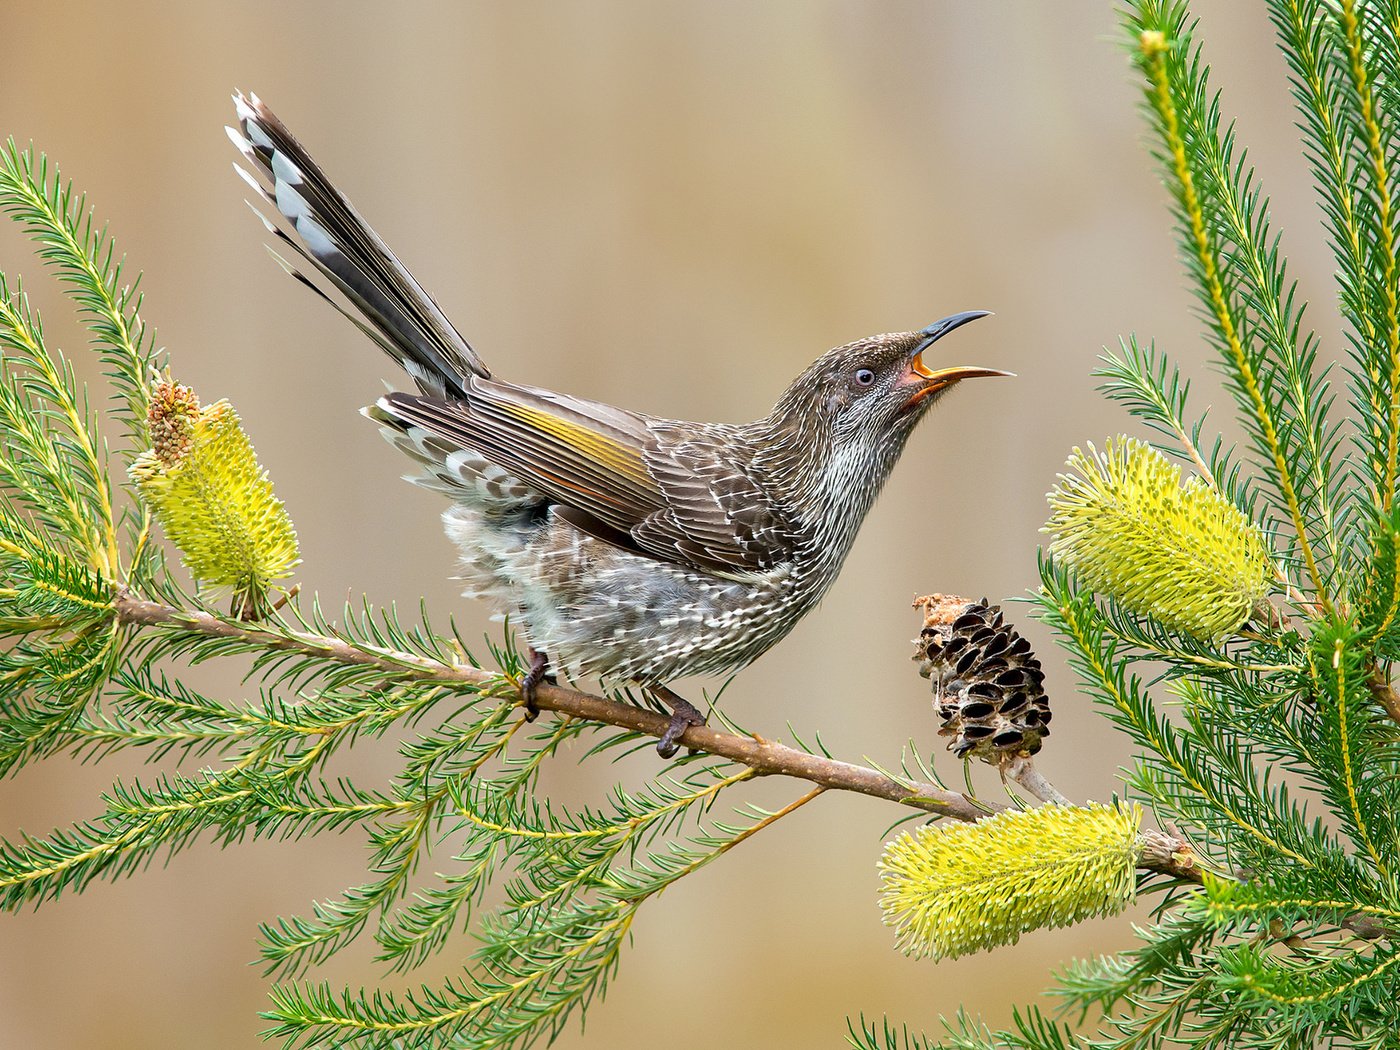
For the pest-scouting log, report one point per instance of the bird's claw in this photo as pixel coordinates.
(683, 715)
(538, 672)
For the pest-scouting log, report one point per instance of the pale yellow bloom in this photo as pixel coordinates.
(953, 889)
(1183, 555)
(214, 499)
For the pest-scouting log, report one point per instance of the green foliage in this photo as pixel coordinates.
(85, 259)
(1263, 723)
(1378, 605)
(577, 879)
(1272, 744)
(1030, 1030)
(95, 635)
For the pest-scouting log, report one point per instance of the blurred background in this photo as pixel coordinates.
(673, 206)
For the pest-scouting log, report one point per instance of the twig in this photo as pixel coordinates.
(1384, 693)
(1168, 854)
(764, 756)
(1369, 928)
(296, 589)
(1022, 770)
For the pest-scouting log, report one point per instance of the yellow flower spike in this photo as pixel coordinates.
(950, 890)
(1183, 555)
(214, 499)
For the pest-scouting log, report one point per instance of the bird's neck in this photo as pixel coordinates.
(826, 485)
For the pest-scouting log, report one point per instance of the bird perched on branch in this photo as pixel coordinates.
(622, 545)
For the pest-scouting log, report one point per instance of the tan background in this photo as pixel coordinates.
(674, 206)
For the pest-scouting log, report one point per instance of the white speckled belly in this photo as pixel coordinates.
(596, 609)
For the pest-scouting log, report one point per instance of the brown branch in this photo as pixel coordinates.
(1022, 770)
(1384, 692)
(1168, 854)
(766, 757)
(1369, 928)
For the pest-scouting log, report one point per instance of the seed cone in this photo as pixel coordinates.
(988, 687)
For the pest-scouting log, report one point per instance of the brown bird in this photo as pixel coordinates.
(622, 545)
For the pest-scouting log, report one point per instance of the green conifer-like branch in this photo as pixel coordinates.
(1270, 741)
(1176, 89)
(1319, 78)
(1384, 227)
(37, 381)
(84, 256)
(1266, 738)
(97, 633)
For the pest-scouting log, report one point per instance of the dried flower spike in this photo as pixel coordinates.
(172, 416)
(1183, 555)
(988, 687)
(950, 890)
(214, 499)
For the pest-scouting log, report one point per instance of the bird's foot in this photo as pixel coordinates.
(538, 672)
(683, 715)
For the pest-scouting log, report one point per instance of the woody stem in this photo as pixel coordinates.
(766, 757)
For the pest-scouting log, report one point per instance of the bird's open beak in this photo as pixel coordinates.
(921, 381)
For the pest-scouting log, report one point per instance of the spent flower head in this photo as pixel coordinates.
(172, 416)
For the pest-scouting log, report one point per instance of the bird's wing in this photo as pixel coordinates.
(612, 473)
(716, 512)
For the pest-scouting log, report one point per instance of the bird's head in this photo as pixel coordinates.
(865, 398)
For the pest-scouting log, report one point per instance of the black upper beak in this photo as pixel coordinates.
(939, 329)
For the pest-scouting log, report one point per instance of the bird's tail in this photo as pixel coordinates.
(393, 308)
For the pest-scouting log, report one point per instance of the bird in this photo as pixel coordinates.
(623, 546)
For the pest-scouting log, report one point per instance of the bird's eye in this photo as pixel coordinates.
(864, 377)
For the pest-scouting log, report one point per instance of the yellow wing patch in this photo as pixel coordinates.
(614, 455)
